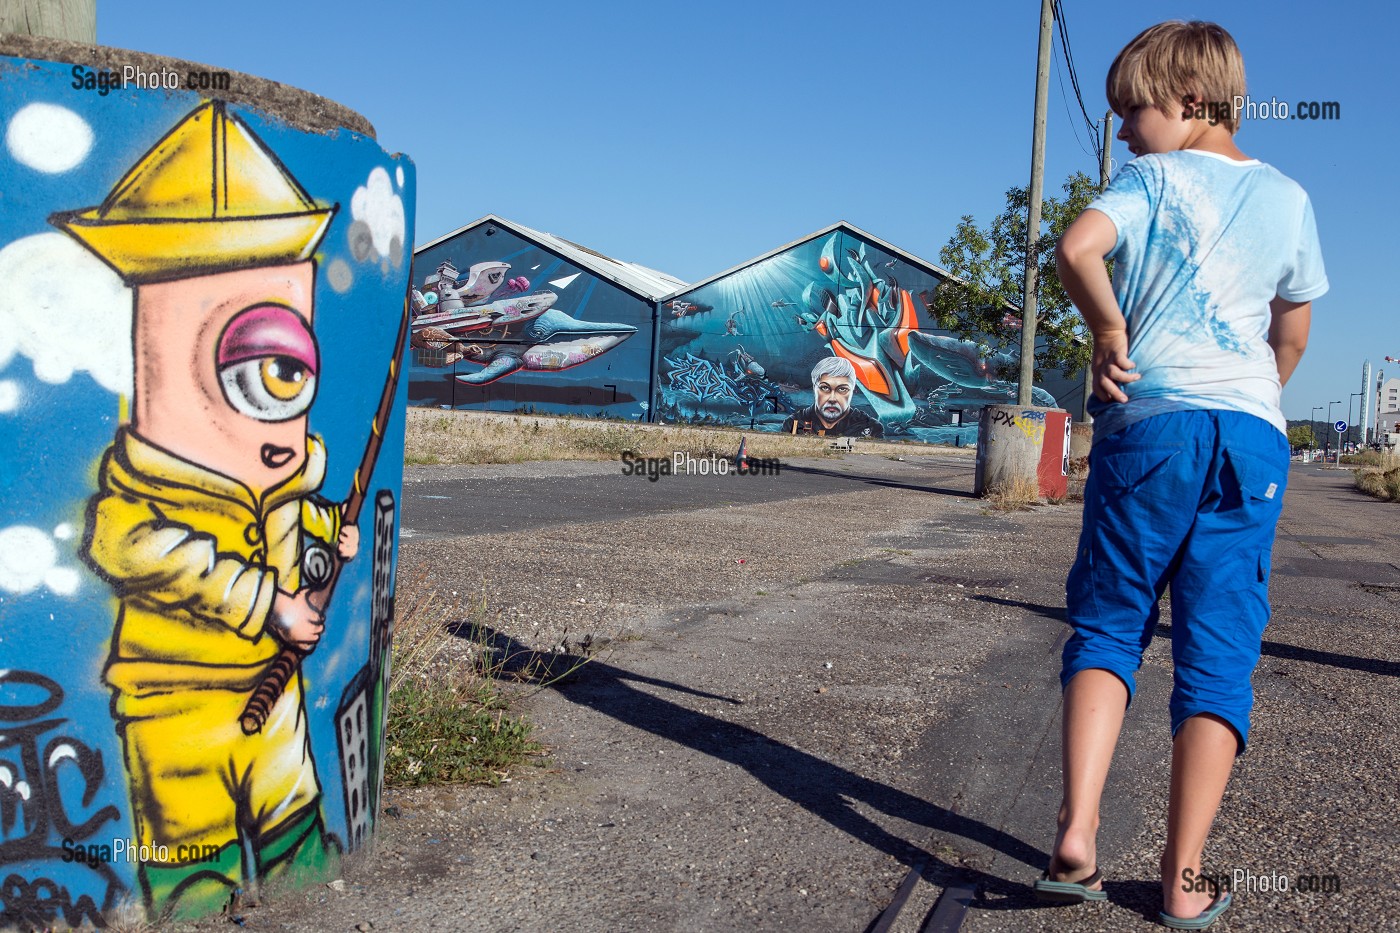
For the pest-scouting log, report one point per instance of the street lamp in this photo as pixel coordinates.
(1312, 423)
(1327, 433)
(1353, 395)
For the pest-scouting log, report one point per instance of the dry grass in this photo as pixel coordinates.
(436, 436)
(1372, 458)
(1381, 483)
(1014, 494)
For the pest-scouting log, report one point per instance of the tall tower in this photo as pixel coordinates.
(1366, 402)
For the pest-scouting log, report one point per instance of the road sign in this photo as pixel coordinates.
(1341, 427)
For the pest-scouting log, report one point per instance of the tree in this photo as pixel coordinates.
(1301, 436)
(991, 263)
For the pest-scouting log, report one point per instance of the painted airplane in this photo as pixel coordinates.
(462, 322)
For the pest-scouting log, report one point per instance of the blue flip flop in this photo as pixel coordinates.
(1202, 920)
(1069, 892)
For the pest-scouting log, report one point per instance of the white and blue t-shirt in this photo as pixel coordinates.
(1204, 244)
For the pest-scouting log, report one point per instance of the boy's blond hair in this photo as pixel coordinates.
(1170, 62)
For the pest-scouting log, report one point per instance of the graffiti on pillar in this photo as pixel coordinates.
(188, 405)
(1031, 424)
(54, 865)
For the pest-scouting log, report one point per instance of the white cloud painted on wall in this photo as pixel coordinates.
(379, 220)
(65, 310)
(29, 560)
(48, 138)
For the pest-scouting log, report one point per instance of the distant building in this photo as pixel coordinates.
(512, 319)
(1388, 406)
(739, 347)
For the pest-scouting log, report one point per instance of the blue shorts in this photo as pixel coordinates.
(1190, 499)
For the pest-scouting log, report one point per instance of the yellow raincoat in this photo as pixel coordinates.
(195, 560)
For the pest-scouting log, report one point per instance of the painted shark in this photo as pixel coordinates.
(550, 342)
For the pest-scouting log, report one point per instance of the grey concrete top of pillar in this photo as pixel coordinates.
(301, 109)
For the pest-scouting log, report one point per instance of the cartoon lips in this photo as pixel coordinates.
(267, 365)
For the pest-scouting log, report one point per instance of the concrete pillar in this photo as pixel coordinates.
(1021, 443)
(204, 277)
(1081, 438)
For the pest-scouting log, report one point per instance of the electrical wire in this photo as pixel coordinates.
(1057, 8)
(1073, 123)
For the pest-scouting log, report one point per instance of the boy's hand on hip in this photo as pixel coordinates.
(296, 621)
(1111, 367)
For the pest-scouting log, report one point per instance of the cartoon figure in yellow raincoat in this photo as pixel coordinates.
(203, 501)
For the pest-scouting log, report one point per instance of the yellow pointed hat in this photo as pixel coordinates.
(209, 197)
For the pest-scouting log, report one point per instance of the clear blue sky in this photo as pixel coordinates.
(691, 137)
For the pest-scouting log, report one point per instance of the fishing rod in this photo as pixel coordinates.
(321, 565)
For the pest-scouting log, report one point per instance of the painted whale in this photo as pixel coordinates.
(967, 365)
(551, 342)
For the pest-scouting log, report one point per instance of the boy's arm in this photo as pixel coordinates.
(1288, 334)
(1079, 257)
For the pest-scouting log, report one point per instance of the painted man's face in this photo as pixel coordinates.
(226, 368)
(833, 397)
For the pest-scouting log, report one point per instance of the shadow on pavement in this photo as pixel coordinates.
(826, 790)
(879, 481)
(1274, 649)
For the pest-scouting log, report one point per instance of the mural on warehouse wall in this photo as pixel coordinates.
(831, 336)
(503, 324)
(200, 452)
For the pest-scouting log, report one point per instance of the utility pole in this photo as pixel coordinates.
(1105, 158)
(74, 20)
(1028, 302)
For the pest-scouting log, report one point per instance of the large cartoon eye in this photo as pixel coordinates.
(267, 363)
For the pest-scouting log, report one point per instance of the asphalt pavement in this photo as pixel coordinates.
(828, 700)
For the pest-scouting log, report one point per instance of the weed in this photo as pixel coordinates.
(1380, 483)
(438, 736)
(1370, 458)
(448, 722)
(1013, 494)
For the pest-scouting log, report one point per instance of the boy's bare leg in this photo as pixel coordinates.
(1203, 753)
(1095, 701)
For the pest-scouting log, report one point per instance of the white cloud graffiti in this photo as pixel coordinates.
(48, 138)
(66, 310)
(379, 220)
(29, 560)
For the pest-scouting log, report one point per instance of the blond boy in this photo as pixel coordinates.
(1206, 317)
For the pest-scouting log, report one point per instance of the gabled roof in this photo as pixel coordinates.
(839, 225)
(645, 283)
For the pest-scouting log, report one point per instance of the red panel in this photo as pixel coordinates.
(1052, 471)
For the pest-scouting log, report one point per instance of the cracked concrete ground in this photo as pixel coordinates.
(818, 680)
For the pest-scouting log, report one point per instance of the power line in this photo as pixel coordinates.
(1073, 123)
(1060, 21)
